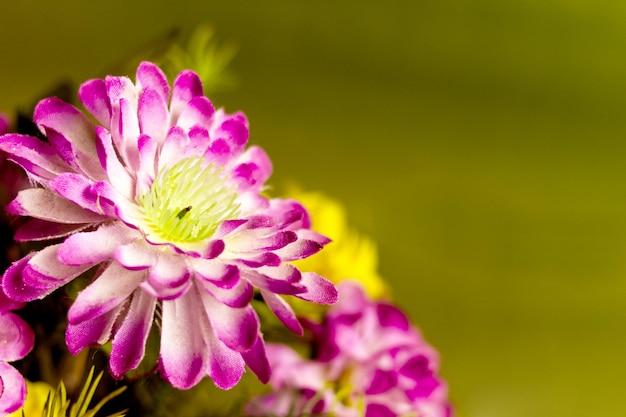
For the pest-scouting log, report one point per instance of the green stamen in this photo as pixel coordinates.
(187, 203)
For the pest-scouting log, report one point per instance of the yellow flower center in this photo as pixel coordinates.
(187, 202)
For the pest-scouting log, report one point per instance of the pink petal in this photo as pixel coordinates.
(238, 328)
(225, 366)
(93, 95)
(173, 148)
(129, 343)
(136, 255)
(183, 350)
(116, 173)
(319, 289)
(12, 389)
(35, 156)
(238, 295)
(111, 288)
(150, 76)
(94, 332)
(90, 248)
(283, 311)
(153, 115)
(198, 112)
(253, 169)
(187, 85)
(70, 132)
(256, 359)
(169, 271)
(219, 273)
(16, 337)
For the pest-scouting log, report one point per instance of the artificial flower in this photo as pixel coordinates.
(161, 198)
(369, 362)
(16, 341)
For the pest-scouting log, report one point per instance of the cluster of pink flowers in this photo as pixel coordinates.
(369, 361)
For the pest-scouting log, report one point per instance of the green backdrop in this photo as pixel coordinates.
(480, 143)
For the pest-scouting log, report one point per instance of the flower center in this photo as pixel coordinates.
(188, 202)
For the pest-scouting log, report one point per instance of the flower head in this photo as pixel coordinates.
(163, 201)
(16, 340)
(370, 362)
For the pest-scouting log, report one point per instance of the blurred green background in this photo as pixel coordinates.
(480, 143)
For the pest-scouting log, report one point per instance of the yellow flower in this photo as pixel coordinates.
(36, 395)
(349, 255)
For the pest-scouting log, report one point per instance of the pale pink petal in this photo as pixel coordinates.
(173, 148)
(169, 271)
(238, 295)
(136, 255)
(89, 248)
(111, 288)
(45, 205)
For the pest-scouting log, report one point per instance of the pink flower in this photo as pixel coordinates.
(16, 340)
(370, 361)
(164, 203)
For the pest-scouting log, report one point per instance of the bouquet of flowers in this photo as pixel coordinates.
(145, 241)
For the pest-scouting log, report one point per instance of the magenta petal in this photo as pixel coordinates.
(187, 85)
(94, 332)
(150, 76)
(153, 115)
(44, 268)
(16, 337)
(198, 112)
(169, 271)
(225, 366)
(391, 316)
(382, 381)
(256, 359)
(283, 311)
(238, 295)
(93, 95)
(183, 350)
(70, 132)
(319, 289)
(236, 327)
(109, 290)
(129, 343)
(35, 156)
(12, 389)
(116, 173)
(379, 410)
(219, 273)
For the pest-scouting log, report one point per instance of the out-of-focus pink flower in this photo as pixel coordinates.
(16, 341)
(163, 197)
(370, 362)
